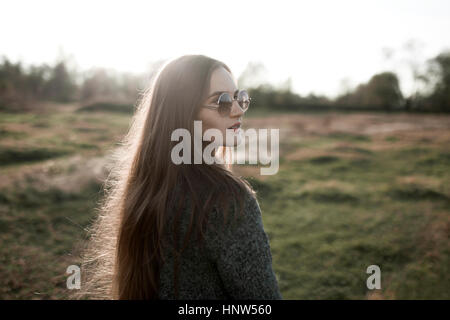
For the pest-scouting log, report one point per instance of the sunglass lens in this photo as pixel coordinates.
(225, 103)
(243, 99)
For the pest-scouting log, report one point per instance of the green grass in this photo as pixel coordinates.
(327, 226)
(15, 155)
(39, 231)
(328, 216)
(108, 107)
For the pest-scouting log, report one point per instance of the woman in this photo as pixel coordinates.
(187, 231)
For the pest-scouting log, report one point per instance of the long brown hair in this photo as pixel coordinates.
(124, 252)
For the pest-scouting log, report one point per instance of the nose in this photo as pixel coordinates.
(236, 110)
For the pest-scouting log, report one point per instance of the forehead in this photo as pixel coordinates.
(222, 80)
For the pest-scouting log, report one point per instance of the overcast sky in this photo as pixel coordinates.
(322, 45)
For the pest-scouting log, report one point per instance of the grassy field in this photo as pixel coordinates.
(353, 190)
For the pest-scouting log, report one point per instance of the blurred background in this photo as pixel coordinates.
(360, 91)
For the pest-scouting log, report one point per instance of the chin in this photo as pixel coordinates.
(236, 139)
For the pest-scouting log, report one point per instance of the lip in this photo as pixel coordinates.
(235, 126)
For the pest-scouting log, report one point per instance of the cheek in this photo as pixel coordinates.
(211, 120)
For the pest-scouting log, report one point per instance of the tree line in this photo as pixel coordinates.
(21, 87)
(382, 92)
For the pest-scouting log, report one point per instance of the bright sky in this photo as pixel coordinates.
(316, 43)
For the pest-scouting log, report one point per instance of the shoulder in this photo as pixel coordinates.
(239, 209)
(235, 226)
(240, 248)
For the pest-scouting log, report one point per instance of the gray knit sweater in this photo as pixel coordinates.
(236, 262)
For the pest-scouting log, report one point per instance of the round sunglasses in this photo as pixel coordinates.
(225, 102)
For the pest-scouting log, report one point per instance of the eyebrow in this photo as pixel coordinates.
(216, 93)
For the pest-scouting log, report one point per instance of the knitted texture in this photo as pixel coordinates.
(235, 262)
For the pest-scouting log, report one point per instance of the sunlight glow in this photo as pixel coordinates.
(316, 43)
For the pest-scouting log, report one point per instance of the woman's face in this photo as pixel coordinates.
(223, 81)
